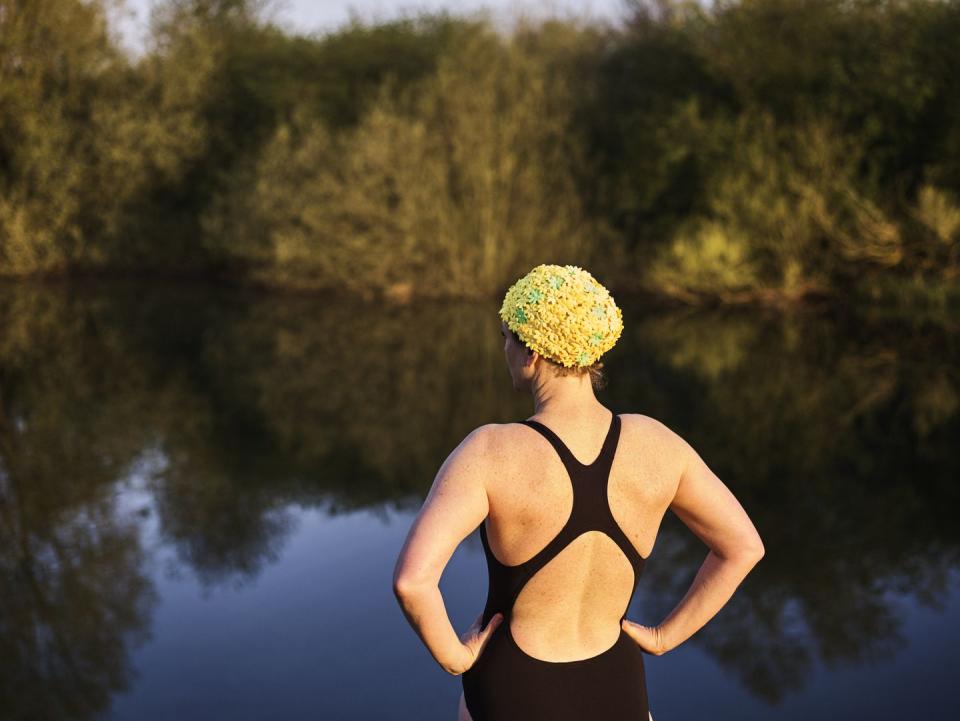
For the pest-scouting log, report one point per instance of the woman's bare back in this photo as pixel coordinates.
(571, 608)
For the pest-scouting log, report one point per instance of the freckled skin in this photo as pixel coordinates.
(672, 475)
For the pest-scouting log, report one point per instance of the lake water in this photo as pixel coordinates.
(203, 494)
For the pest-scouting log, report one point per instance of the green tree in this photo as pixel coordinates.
(448, 187)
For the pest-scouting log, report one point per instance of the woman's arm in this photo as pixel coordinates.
(454, 507)
(424, 609)
(712, 512)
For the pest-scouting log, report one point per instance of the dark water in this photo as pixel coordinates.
(202, 496)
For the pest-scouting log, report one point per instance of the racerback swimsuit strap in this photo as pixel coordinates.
(590, 510)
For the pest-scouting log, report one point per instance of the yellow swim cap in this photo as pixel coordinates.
(563, 313)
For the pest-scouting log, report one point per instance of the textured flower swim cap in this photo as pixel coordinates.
(563, 313)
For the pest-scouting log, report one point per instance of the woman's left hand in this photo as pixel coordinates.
(475, 638)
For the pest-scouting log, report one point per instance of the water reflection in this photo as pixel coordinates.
(837, 435)
(847, 463)
(75, 594)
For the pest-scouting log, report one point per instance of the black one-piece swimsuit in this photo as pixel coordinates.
(507, 684)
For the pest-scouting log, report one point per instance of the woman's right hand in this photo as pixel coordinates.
(648, 638)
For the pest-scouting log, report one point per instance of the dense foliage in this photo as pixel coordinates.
(751, 149)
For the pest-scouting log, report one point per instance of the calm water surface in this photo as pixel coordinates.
(203, 494)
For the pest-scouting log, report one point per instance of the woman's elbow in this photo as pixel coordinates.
(746, 551)
(753, 549)
(407, 586)
(403, 587)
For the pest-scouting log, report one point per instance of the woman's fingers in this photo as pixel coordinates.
(491, 625)
(647, 637)
(494, 621)
(475, 638)
(640, 634)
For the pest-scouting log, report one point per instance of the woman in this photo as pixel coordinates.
(568, 503)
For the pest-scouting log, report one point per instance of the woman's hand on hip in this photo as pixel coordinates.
(475, 638)
(648, 638)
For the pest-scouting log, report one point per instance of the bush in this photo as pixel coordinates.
(451, 186)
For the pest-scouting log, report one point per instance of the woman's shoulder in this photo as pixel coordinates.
(491, 438)
(646, 423)
(652, 432)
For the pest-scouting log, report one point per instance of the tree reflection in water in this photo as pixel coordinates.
(75, 594)
(835, 442)
(838, 436)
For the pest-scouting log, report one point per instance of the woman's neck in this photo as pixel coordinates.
(567, 395)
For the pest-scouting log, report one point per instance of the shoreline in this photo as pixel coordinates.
(896, 297)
